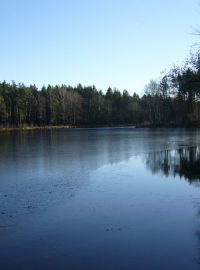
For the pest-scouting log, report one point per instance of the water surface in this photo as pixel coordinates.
(100, 199)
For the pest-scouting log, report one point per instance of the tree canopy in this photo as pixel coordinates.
(174, 100)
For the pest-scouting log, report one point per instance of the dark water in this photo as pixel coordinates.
(100, 199)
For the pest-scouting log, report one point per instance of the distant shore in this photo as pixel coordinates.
(30, 128)
(53, 127)
(27, 128)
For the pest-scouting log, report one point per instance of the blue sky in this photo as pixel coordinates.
(117, 43)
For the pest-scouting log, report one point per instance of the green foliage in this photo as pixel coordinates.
(3, 112)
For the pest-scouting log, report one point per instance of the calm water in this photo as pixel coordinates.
(100, 199)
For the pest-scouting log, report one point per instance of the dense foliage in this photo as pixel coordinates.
(172, 101)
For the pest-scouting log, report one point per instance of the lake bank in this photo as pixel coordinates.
(30, 128)
(27, 128)
(53, 127)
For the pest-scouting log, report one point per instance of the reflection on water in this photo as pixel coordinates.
(184, 162)
(40, 169)
(95, 199)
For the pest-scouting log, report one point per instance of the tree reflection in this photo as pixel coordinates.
(184, 162)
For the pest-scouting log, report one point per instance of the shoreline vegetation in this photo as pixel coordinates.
(172, 101)
(57, 127)
(27, 128)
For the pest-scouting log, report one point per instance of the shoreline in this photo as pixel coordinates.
(54, 127)
(30, 128)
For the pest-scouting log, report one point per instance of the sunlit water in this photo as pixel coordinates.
(100, 199)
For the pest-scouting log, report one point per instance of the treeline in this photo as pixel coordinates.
(64, 105)
(171, 101)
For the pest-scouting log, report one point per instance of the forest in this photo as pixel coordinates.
(172, 101)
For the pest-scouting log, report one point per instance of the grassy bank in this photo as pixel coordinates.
(27, 128)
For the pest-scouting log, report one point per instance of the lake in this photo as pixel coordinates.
(100, 199)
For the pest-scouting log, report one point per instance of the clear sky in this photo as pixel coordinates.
(117, 43)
